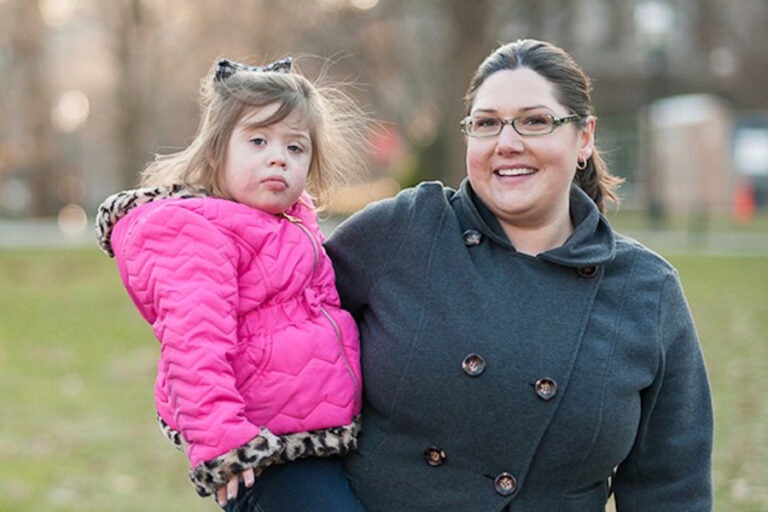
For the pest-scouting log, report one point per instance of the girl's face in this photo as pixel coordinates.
(525, 181)
(266, 167)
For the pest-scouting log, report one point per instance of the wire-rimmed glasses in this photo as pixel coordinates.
(531, 125)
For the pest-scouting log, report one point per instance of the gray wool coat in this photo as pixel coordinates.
(495, 380)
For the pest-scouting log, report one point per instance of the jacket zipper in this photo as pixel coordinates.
(297, 222)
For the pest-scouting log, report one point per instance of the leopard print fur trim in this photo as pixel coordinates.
(261, 451)
(116, 206)
(174, 436)
(321, 443)
(266, 449)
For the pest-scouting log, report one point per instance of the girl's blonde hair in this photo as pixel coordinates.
(335, 123)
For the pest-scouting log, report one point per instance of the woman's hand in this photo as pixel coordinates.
(229, 491)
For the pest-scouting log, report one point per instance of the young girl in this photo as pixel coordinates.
(221, 253)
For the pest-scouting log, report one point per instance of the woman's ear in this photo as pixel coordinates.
(587, 137)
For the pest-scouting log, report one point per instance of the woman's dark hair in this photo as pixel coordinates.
(572, 89)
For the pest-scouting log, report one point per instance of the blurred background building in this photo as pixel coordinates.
(91, 90)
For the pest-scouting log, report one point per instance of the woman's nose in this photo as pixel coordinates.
(509, 140)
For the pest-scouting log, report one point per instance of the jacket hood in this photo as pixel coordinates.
(592, 242)
(116, 206)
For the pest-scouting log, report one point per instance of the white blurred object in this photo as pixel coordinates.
(72, 219)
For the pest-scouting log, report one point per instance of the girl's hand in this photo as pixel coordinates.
(229, 491)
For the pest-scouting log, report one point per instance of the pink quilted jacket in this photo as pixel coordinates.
(256, 351)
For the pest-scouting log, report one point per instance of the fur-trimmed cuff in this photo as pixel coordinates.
(263, 450)
(172, 435)
(325, 442)
(267, 449)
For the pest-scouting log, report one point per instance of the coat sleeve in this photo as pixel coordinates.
(181, 270)
(669, 466)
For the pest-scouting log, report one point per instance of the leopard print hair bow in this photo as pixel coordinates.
(226, 68)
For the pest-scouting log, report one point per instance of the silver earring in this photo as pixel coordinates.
(581, 163)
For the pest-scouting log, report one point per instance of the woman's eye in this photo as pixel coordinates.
(536, 120)
(485, 122)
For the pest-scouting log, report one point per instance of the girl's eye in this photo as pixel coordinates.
(258, 141)
(295, 148)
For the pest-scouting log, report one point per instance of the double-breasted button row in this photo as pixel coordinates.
(473, 365)
(505, 484)
(434, 456)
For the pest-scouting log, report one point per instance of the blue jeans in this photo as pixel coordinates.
(306, 485)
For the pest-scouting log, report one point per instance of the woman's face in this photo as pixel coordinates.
(266, 167)
(525, 180)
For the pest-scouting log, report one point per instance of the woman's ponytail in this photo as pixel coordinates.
(598, 182)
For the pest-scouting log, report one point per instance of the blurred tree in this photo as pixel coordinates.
(410, 62)
(133, 38)
(468, 24)
(27, 42)
(746, 36)
(419, 58)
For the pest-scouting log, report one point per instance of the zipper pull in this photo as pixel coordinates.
(290, 218)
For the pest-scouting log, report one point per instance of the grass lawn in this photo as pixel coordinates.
(729, 300)
(77, 430)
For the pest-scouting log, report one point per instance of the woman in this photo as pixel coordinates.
(518, 353)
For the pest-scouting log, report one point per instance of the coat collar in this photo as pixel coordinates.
(117, 206)
(592, 242)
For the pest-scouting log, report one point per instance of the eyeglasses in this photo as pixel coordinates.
(528, 126)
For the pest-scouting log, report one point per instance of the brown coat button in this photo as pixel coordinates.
(587, 272)
(473, 365)
(472, 237)
(545, 388)
(434, 456)
(505, 484)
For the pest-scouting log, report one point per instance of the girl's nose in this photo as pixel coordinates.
(277, 158)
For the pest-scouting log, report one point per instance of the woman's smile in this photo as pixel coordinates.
(512, 171)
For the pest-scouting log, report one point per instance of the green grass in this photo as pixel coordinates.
(626, 220)
(729, 300)
(77, 430)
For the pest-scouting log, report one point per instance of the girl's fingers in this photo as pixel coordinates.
(221, 495)
(232, 486)
(229, 491)
(249, 477)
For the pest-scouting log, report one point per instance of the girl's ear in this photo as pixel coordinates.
(210, 158)
(214, 169)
